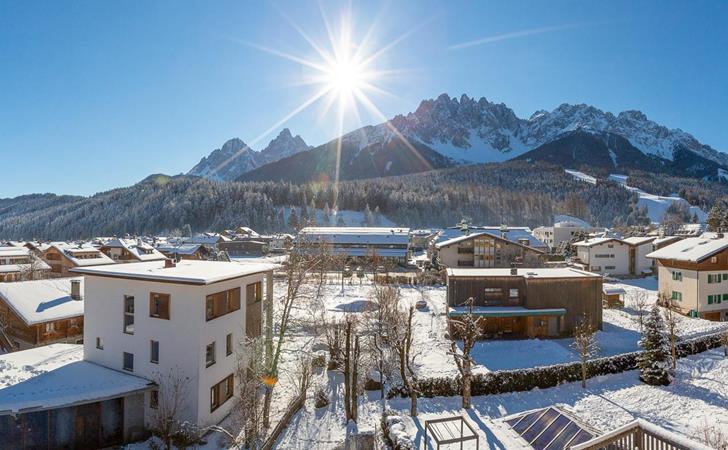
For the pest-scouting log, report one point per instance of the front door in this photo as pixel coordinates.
(87, 426)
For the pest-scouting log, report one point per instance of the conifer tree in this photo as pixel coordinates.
(716, 217)
(654, 362)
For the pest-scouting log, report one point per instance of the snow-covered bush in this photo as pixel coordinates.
(318, 362)
(503, 381)
(395, 432)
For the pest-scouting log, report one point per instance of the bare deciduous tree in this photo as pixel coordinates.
(713, 437)
(34, 269)
(468, 328)
(167, 425)
(640, 301)
(671, 315)
(585, 344)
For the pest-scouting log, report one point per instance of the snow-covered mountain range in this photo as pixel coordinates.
(448, 131)
(235, 158)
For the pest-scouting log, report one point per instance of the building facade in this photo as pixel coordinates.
(604, 255)
(390, 244)
(519, 303)
(160, 319)
(486, 250)
(693, 275)
(62, 257)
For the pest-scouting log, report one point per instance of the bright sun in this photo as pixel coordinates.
(345, 77)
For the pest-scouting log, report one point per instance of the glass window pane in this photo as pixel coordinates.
(550, 433)
(542, 422)
(564, 438)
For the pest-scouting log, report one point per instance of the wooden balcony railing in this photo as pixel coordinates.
(640, 435)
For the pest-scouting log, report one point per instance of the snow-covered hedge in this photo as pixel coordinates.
(395, 432)
(503, 381)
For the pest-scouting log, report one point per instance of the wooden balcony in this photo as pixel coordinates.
(640, 435)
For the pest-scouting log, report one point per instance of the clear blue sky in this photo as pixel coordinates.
(97, 95)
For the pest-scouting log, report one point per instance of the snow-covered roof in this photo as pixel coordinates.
(541, 272)
(356, 235)
(55, 375)
(563, 220)
(504, 311)
(19, 266)
(692, 249)
(186, 271)
(595, 241)
(661, 240)
(180, 249)
(138, 248)
(465, 237)
(514, 234)
(639, 240)
(14, 252)
(76, 253)
(613, 290)
(41, 301)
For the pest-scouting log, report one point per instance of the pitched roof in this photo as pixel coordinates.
(138, 248)
(692, 249)
(74, 253)
(638, 240)
(40, 301)
(452, 241)
(595, 241)
(56, 375)
(541, 272)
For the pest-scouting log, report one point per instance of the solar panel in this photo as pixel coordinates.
(548, 429)
(550, 432)
(566, 435)
(540, 425)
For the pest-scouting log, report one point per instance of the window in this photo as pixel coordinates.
(128, 314)
(677, 276)
(154, 352)
(129, 361)
(159, 305)
(676, 296)
(513, 293)
(222, 303)
(713, 299)
(596, 268)
(609, 267)
(229, 344)
(714, 259)
(210, 355)
(99, 343)
(154, 399)
(50, 327)
(221, 392)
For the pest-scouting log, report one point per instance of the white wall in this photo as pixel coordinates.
(182, 339)
(618, 258)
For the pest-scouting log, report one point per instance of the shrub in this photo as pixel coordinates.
(395, 432)
(321, 398)
(504, 381)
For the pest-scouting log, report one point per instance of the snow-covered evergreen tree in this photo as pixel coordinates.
(716, 217)
(293, 222)
(654, 363)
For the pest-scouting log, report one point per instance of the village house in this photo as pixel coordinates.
(526, 303)
(130, 250)
(521, 235)
(153, 319)
(185, 251)
(564, 229)
(41, 312)
(604, 255)
(693, 275)
(640, 247)
(244, 248)
(482, 249)
(63, 257)
(390, 244)
(17, 262)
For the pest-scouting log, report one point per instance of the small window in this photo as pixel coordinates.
(129, 361)
(128, 314)
(714, 259)
(154, 352)
(159, 305)
(513, 293)
(210, 355)
(154, 399)
(229, 344)
(677, 296)
(49, 327)
(99, 343)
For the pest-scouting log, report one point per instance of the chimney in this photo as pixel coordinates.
(168, 264)
(514, 271)
(504, 231)
(76, 290)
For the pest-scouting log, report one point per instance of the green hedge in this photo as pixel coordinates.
(503, 381)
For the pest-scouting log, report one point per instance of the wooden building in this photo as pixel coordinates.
(63, 257)
(487, 250)
(131, 251)
(518, 303)
(41, 312)
(16, 263)
(185, 251)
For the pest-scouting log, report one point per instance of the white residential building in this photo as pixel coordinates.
(641, 246)
(604, 255)
(152, 319)
(693, 274)
(563, 230)
(361, 242)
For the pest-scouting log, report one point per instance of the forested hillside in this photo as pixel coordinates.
(516, 193)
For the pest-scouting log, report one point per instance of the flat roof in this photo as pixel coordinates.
(595, 241)
(55, 376)
(353, 230)
(638, 240)
(693, 249)
(505, 311)
(541, 272)
(185, 271)
(41, 301)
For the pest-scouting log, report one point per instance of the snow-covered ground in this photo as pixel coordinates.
(656, 205)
